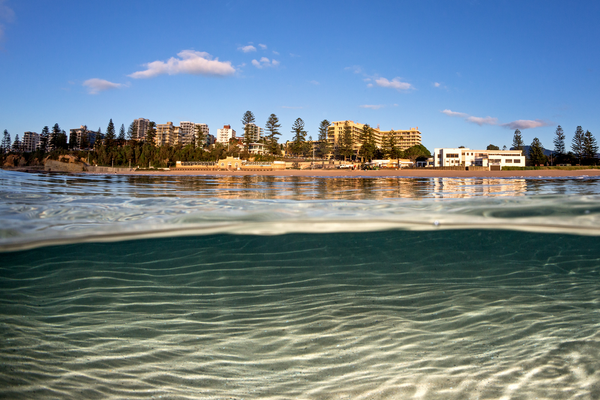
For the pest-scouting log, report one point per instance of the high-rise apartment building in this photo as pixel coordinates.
(254, 132)
(186, 132)
(31, 141)
(166, 134)
(189, 130)
(141, 125)
(225, 134)
(85, 138)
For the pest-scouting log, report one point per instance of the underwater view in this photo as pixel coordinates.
(259, 287)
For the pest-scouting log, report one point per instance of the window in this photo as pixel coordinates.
(508, 161)
(517, 161)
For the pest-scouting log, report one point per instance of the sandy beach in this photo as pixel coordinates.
(408, 173)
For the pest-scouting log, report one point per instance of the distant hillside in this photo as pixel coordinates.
(526, 151)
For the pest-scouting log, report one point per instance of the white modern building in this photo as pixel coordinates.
(225, 134)
(464, 157)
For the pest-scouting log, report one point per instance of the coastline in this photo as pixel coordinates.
(402, 173)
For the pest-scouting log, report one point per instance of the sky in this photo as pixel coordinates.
(466, 73)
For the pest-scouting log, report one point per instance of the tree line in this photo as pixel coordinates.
(584, 148)
(112, 149)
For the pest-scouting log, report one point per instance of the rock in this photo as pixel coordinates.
(14, 160)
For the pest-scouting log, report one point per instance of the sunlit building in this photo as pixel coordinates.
(166, 134)
(464, 157)
(403, 138)
(225, 134)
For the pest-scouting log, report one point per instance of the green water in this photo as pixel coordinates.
(465, 314)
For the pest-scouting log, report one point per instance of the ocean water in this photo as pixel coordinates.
(116, 287)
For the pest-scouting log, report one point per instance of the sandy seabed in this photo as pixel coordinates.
(432, 316)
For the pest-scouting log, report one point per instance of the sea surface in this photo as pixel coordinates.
(170, 287)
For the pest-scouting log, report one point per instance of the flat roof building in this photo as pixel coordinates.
(31, 141)
(225, 134)
(141, 127)
(465, 157)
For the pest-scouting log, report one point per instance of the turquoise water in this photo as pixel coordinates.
(298, 288)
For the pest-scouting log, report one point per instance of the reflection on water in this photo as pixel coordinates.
(292, 188)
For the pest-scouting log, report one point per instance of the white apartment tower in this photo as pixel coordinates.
(225, 134)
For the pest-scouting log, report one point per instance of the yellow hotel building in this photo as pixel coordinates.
(404, 138)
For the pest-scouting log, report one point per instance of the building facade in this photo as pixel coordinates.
(166, 134)
(31, 141)
(404, 139)
(85, 138)
(254, 132)
(188, 132)
(141, 126)
(225, 134)
(464, 157)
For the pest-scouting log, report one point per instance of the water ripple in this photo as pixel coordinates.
(304, 316)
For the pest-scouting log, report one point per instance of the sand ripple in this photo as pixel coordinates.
(487, 315)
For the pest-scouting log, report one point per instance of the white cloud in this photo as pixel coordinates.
(455, 114)
(437, 84)
(275, 52)
(189, 62)
(483, 121)
(519, 124)
(394, 84)
(247, 49)
(372, 106)
(526, 124)
(262, 46)
(265, 62)
(314, 82)
(96, 85)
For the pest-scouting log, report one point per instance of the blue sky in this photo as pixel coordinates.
(465, 72)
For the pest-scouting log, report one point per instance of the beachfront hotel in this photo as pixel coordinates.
(465, 157)
(405, 138)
